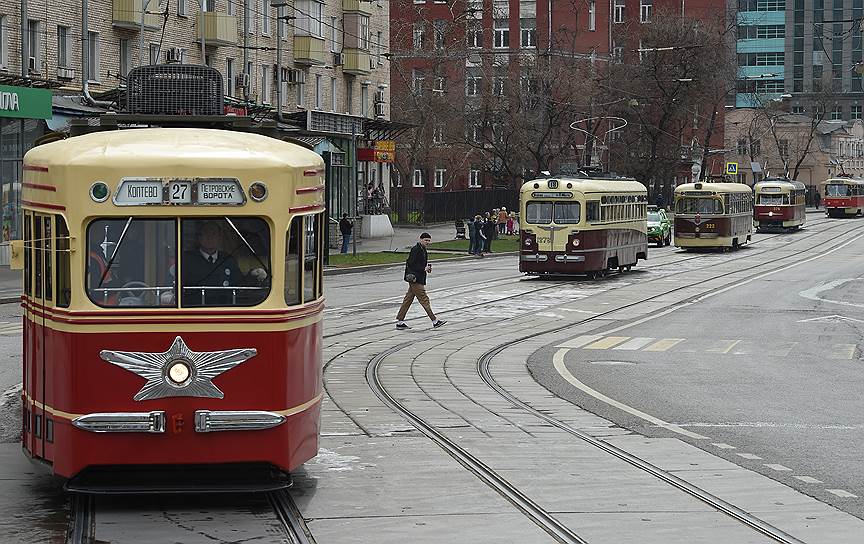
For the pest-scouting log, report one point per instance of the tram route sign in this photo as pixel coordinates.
(732, 168)
(192, 192)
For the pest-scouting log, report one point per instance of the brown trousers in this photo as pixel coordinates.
(419, 291)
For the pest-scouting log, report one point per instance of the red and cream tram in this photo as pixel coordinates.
(582, 225)
(779, 204)
(709, 215)
(843, 197)
(173, 304)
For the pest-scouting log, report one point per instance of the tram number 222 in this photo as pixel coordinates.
(180, 192)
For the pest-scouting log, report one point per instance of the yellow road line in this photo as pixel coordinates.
(608, 342)
(783, 351)
(843, 351)
(664, 344)
(724, 347)
(580, 341)
(635, 344)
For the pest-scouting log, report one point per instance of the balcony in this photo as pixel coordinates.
(127, 14)
(309, 50)
(356, 61)
(359, 6)
(219, 28)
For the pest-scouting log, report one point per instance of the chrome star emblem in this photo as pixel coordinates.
(178, 372)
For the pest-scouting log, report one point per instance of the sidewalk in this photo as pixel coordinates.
(403, 238)
(11, 285)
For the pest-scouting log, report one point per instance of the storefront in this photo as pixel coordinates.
(22, 110)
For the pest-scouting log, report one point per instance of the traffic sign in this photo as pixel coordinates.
(731, 168)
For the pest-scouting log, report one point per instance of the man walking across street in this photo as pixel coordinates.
(416, 268)
(345, 227)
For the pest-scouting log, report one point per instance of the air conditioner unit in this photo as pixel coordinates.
(379, 96)
(65, 73)
(242, 80)
(379, 110)
(31, 65)
(338, 59)
(174, 54)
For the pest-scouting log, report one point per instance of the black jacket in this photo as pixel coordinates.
(416, 263)
(345, 226)
(198, 272)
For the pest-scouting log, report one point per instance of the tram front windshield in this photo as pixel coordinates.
(133, 262)
(773, 200)
(701, 205)
(543, 213)
(837, 189)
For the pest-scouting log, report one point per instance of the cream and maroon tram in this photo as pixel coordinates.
(843, 197)
(173, 304)
(780, 203)
(576, 225)
(711, 215)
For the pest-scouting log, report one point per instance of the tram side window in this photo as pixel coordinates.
(538, 213)
(292, 262)
(132, 262)
(37, 262)
(566, 213)
(28, 259)
(49, 284)
(225, 262)
(62, 263)
(592, 211)
(311, 252)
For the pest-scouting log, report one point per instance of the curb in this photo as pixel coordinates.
(10, 300)
(359, 269)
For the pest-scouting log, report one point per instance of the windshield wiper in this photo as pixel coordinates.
(114, 254)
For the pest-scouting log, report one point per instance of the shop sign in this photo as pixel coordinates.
(374, 155)
(235, 110)
(25, 103)
(385, 145)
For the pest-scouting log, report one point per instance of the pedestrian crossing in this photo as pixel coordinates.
(10, 328)
(756, 347)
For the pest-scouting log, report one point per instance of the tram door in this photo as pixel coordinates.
(41, 289)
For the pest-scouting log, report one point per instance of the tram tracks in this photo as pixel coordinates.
(538, 515)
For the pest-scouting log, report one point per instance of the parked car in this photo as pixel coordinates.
(659, 227)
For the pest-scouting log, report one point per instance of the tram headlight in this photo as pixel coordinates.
(258, 191)
(99, 192)
(179, 373)
(528, 242)
(576, 242)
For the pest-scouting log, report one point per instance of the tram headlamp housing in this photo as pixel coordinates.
(527, 241)
(179, 373)
(258, 191)
(576, 242)
(99, 192)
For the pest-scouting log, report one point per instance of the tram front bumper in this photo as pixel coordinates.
(206, 421)
(569, 258)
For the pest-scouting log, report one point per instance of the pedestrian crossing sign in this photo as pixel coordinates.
(732, 168)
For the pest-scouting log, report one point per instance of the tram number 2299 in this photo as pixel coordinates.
(180, 192)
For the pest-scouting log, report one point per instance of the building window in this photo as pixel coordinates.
(439, 84)
(473, 178)
(645, 10)
(301, 95)
(247, 14)
(318, 92)
(334, 35)
(333, 101)
(93, 53)
(232, 7)
(310, 18)
(438, 30)
(364, 100)
(4, 42)
(418, 178)
(617, 53)
(498, 84)
(592, 15)
(418, 35)
(349, 96)
(439, 177)
(64, 46)
(472, 85)
(265, 83)
(856, 112)
(438, 133)
(755, 147)
(783, 148)
(502, 34)
(619, 10)
(798, 109)
(379, 45)
(265, 17)
(528, 35)
(209, 5)
(837, 113)
(153, 51)
(474, 34)
(417, 82)
(364, 32)
(125, 57)
(742, 147)
(35, 61)
(229, 77)
(181, 8)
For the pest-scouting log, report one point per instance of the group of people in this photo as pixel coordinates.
(485, 228)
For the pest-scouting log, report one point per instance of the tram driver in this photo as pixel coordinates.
(210, 266)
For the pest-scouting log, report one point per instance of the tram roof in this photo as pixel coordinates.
(850, 181)
(163, 151)
(714, 187)
(586, 185)
(784, 184)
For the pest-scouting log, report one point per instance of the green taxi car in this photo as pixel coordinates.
(659, 227)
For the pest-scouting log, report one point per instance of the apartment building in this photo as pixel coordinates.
(335, 72)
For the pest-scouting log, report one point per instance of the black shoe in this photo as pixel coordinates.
(402, 326)
(439, 323)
